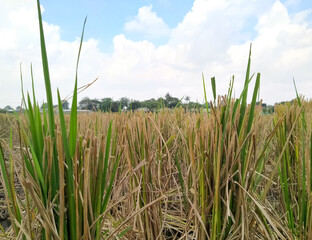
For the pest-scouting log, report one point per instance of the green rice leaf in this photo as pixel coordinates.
(69, 174)
(244, 96)
(73, 113)
(298, 98)
(110, 186)
(46, 74)
(213, 86)
(106, 158)
(205, 94)
(253, 103)
(45, 65)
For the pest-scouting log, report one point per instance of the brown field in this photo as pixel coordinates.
(175, 180)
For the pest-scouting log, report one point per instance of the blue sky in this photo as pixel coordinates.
(144, 49)
(107, 18)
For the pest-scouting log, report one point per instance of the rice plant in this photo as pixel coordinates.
(226, 173)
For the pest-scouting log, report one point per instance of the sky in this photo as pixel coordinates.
(145, 49)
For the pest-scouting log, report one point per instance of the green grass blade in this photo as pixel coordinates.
(22, 88)
(213, 86)
(69, 175)
(32, 84)
(244, 97)
(34, 133)
(311, 162)
(177, 105)
(39, 132)
(120, 235)
(106, 157)
(110, 186)
(55, 170)
(73, 113)
(303, 215)
(249, 125)
(46, 73)
(39, 172)
(297, 95)
(181, 180)
(45, 121)
(253, 103)
(205, 95)
(63, 126)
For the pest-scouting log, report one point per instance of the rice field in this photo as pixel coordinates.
(229, 172)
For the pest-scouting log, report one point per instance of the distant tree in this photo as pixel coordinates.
(124, 102)
(89, 104)
(8, 108)
(135, 104)
(19, 108)
(108, 104)
(95, 104)
(170, 101)
(187, 99)
(85, 104)
(161, 102)
(44, 105)
(187, 102)
(65, 104)
(115, 106)
(195, 105)
(151, 104)
(105, 104)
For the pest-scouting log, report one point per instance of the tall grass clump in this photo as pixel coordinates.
(222, 152)
(294, 166)
(60, 169)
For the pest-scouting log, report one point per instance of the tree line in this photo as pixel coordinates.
(124, 103)
(109, 105)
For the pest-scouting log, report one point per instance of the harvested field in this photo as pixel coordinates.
(229, 172)
(172, 170)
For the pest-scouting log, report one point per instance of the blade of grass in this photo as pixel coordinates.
(244, 97)
(205, 95)
(69, 174)
(55, 170)
(303, 215)
(213, 86)
(73, 112)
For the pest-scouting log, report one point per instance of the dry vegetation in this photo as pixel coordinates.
(172, 171)
(228, 173)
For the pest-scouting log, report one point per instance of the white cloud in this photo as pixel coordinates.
(19, 41)
(213, 38)
(8, 39)
(148, 23)
(282, 50)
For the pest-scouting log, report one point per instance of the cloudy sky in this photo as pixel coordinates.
(144, 49)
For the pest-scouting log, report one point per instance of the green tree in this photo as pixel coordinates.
(106, 104)
(124, 102)
(135, 104)
(95, 104)
(151, 104)
(170, 101)
(115, 106)
(65, 104)
(89, 104)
